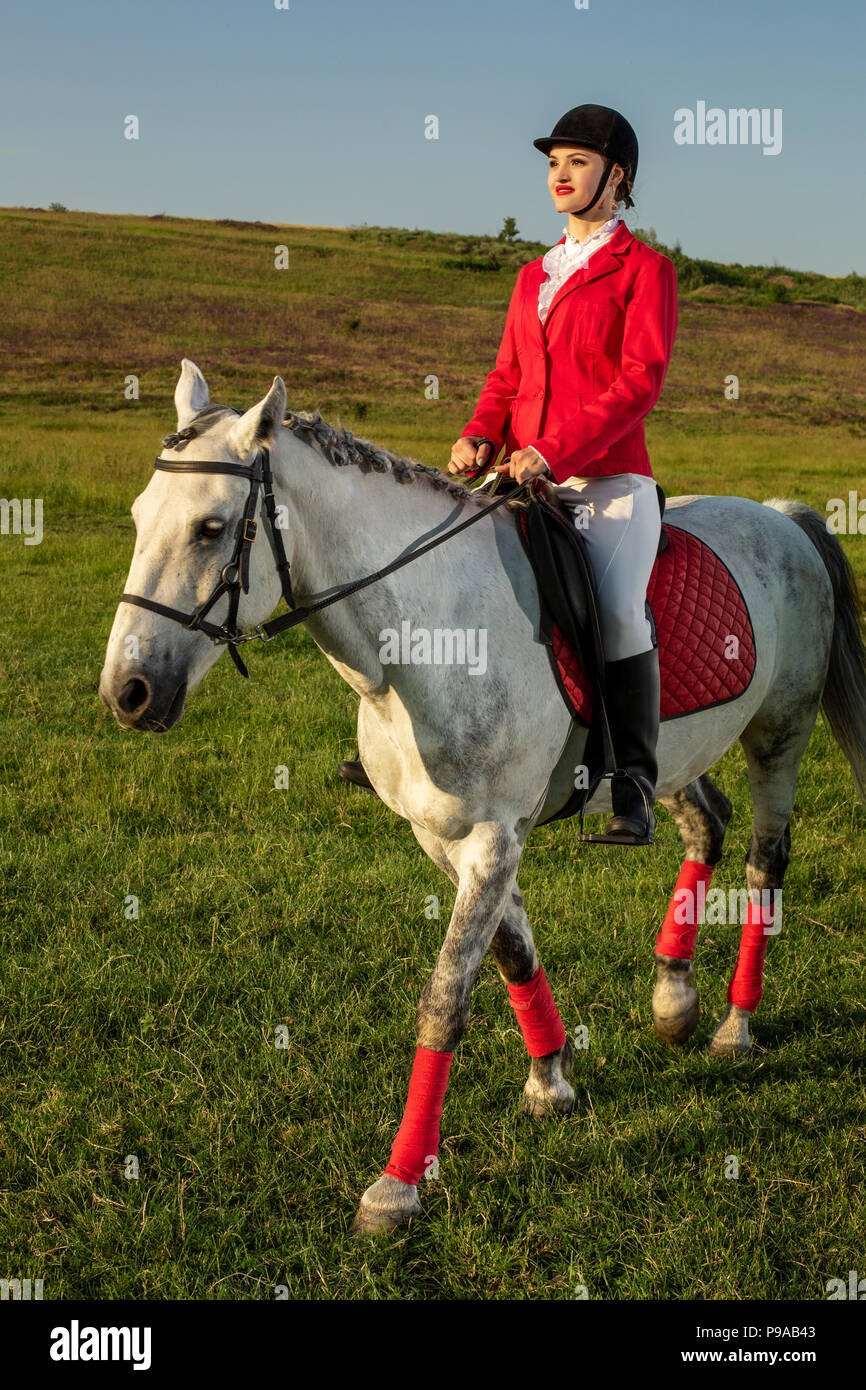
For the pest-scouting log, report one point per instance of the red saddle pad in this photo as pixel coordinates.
(698, 609)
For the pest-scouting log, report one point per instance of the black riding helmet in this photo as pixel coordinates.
(596, 128)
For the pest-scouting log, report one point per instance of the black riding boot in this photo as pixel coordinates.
(632, 697)
(354, 772)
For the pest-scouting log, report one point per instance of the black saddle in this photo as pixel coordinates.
(568, 597)
(563, 571)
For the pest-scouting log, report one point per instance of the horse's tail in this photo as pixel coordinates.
(844, 698)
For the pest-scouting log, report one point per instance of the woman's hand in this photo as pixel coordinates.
(467, 453)
(523, 464)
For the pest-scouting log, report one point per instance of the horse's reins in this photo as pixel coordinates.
(235, 575)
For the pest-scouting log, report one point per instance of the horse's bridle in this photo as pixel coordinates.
(236, 574)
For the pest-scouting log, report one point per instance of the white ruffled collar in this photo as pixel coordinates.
(571, 247)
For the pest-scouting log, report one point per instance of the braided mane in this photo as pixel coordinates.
(339, 446)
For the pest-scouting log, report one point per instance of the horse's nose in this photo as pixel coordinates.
(134, 698)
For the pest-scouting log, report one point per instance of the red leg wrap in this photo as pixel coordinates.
(680, 927)
(417, 1141)
(747, 985)
(542, 1028)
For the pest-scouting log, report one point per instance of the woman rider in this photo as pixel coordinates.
(586, 346)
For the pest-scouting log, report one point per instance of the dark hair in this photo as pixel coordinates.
(624, 187)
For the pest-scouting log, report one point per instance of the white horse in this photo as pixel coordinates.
(473, 758)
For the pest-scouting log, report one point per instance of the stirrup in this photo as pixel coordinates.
(646, 837)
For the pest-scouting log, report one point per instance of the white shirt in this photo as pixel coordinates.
(563, 259)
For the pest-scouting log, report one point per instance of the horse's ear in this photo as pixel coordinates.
(191, 394)
(260, 423)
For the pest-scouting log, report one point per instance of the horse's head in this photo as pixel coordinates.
(188, 526)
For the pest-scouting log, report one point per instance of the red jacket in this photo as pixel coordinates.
(578, 386)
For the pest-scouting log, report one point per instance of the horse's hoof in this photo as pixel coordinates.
(675, 1001)
(370, 1223)
(547, 1092)
(548, 1107)
(566, 1059)
(732, 1037)
(718, 1048)
(386, 1206)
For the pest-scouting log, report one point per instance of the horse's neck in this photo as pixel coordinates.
(343, 525)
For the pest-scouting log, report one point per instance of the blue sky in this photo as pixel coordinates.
(316, 114)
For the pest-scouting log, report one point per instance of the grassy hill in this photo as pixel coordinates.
(709, 281)
(305, 908)
(360, 321)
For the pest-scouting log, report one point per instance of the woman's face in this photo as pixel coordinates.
(573, 176)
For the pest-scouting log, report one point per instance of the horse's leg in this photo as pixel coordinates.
(486, 862)
(773, 747)
(547, 1092)
(702, 813)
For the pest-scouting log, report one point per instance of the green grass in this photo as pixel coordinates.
(154, 1036)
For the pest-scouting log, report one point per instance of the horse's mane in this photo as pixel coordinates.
(340, 447)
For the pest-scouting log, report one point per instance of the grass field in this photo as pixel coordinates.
(155, 1036)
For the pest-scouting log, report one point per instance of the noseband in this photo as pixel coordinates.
(236, 574)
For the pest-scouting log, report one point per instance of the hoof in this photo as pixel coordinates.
(675, 1001)
(386, 1206)
(547, 1092)
(547, 1107)
(732, 1037)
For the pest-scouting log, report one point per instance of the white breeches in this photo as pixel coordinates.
(618, 517)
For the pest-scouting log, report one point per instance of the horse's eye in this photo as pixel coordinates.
(211, 528)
